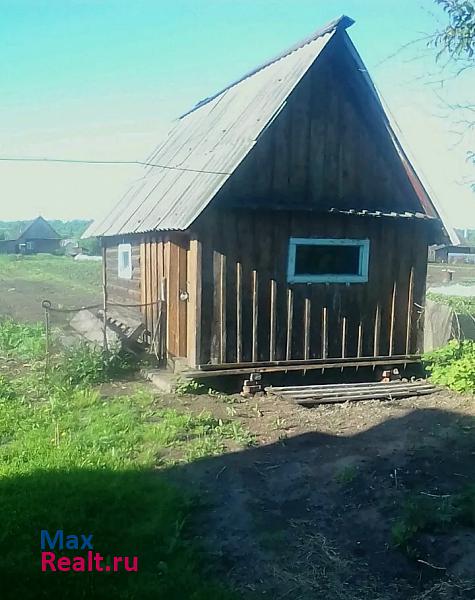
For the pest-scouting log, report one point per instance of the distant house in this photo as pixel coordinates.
(462, 252)
(35, 236)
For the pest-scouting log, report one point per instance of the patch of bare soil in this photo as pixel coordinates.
(308, 511)
(20, 299)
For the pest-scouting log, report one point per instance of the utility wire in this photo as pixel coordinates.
(106, 162)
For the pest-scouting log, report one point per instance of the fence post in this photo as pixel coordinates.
(104, 297)
(46, 304)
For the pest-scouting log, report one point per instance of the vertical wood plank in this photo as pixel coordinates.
(306, 329)
(344, 333)
(255, 314)
(172, 300)
(273, 318)
(410, 308)
(324, 332)
(143, 294)
(377, 331)
(359, 347)
(182, 304)
(222, 307)
(154, 287)
(392, 319)
(238, 312)
(194, 303)
(148, 287)
(290, 318)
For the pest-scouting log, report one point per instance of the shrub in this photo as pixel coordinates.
(453, 366)
(88, 364)
(432, 514)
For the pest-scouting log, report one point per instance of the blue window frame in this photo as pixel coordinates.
(328, 260)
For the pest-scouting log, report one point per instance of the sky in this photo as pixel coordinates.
(103, 80)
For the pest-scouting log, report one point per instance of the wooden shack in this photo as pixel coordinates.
(280, 225)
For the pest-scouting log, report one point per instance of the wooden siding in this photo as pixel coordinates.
(328, 148)
(249, 313)
(123, 291)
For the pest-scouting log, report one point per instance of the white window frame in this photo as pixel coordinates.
(363, 267)
(124, 272)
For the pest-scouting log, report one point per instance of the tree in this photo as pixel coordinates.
(457, 38)
(457, 41)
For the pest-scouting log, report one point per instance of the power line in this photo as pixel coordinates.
(106, 162)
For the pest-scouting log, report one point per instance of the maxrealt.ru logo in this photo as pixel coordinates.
(90, 561)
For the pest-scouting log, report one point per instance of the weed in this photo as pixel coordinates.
(7, 390)
(188, 386)
(453, 365)
(278, 422)
(346, 474)
(85, 364)
(22, 341)
(423, 513)
(257, 411)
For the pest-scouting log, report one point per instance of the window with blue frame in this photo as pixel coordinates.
(328, 260)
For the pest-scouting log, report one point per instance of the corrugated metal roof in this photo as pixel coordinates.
(211, 141)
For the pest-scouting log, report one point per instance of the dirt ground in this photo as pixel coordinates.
(307, 511)
(21, 299)
(25, 281)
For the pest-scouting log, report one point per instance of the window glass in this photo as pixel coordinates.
(317, 260)
(124, 261)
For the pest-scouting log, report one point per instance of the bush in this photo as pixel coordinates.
(85, 364)
(453, 366)
(427, 514)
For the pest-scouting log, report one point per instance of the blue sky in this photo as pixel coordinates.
(102, 79)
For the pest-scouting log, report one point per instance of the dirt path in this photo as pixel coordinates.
(308, 511)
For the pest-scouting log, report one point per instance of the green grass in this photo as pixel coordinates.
(84, 276)
(22, 341)
(73, 460)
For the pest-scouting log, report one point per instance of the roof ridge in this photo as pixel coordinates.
(342, 22)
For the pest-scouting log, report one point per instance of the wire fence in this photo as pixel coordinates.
(106, 324)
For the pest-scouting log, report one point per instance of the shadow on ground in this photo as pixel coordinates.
(308, 517)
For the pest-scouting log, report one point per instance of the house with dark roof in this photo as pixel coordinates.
(33, 237)
(280, 226)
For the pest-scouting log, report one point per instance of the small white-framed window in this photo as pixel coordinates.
(124, 261)
(29, 245)
(328, 260)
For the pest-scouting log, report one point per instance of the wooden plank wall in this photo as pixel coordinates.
(327, 148)
(153, 291)
(123, 291)
(176, 250)
(250, 313)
